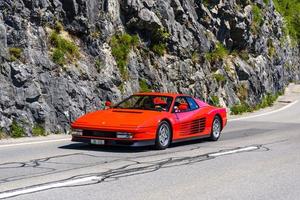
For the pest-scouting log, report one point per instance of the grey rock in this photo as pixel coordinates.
(3, 41)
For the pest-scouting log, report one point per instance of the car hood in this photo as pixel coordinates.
(118, 118)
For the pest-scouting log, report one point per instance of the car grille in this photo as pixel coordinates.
(105, 134)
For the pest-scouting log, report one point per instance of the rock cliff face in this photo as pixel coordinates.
(232, 51)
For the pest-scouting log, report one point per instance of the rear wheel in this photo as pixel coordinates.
(163, 136)
(216, 129)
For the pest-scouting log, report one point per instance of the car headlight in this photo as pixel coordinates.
(124, 135)
(77, 132)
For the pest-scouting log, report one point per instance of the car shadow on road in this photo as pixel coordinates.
(128, 149)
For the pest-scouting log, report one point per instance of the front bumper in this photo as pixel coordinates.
(114, 142)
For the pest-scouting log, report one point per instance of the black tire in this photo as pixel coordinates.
(216, 129)
(163, 136)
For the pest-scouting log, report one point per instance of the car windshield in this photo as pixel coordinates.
(146, 102)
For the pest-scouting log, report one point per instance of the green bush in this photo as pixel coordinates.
(144, 86)
(267, 100)
(98, 65)
(220, 78)
(38, 130)
(195, 57)
(121, 44)
(257, 19)
(159, 38)
(214, 100)
(271, 48)
(63, 49)
(58, 27)
(159, 49)
(290, 10)
(240, 108)
(16, 130)
(219, 53)
(15, 53)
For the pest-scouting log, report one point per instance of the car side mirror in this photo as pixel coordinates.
(107, 104)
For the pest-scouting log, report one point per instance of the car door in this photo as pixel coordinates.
(190, 121)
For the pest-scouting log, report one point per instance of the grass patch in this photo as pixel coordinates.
(16, 130)
(38, 130)
(15, 53)
(271, 48)
(63, 49)
(257, 19)
(98, 65)
(121, 45)
(159, 40)
(195, 57)
(144, 87)
(290, 10)
(219, 53)
(220, 78)
(214, 100)
(58, 27)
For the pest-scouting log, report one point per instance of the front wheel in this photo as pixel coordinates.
(163, 136)
(216, 129)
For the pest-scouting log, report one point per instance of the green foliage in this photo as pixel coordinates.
(266, 2)
(63, 49)
(98, 65)
(144, 86)
(290, 10)
(220, 52)
(214, 100)
(58, 57)
(38, 130)
(257, 19)
(58, 27)
(121, 45)
(16, 130)
(159, 49)
(271, 48)
(266, 101)
(159, 40)
(15, 53)
(195, 57)
(220, 78)
(240, 108)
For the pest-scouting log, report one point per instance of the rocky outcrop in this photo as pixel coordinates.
(34, 89)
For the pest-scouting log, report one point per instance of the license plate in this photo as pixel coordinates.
(97, 142)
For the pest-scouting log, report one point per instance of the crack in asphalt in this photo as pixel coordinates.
(138, 168)
(38, 164)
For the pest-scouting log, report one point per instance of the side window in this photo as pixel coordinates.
(193, 105)
(181, 105)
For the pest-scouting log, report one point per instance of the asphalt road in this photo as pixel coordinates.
(257, 157)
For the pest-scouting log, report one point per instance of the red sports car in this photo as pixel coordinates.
(151, 119)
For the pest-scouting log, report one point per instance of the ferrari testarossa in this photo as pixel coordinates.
(157, 119)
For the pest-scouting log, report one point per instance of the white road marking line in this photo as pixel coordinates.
(263, 114)
(48, 186)
(36, 142)
(250, 148)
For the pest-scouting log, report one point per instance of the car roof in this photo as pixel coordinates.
(161, 94)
